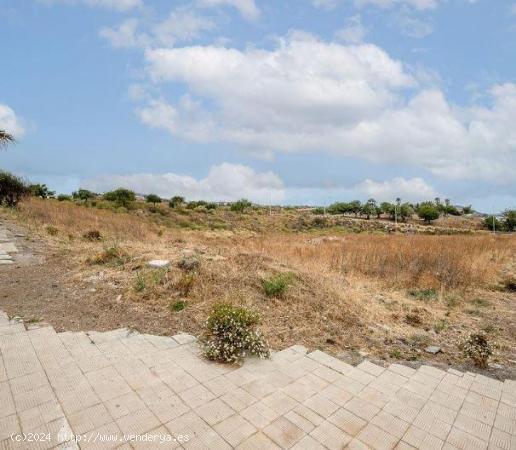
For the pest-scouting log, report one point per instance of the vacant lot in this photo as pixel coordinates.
(343, 285)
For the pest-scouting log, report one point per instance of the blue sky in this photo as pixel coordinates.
(305, 101)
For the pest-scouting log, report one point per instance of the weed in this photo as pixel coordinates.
(141, 283)
(419, 340)
(478, 349)
(440, 326)
(452, 301)
(92, 236)
(480, 302)
(231, 334)
(395, 353)
(177, 306)
(277, 285)
(185, 284)
(413, 319)
(111, 255)
(51, 230)
(424, 294)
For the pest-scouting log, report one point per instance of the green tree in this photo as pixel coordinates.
(121, 197)
(41, 190)
(509, 219)
(405, 211)
(355, 207)
(83, 194)
(339, 208)
(369, 208)
(467, 210)
(153, 198)
(12, 189)
(64, 198)
(492, 223)
(176, 201)
(240, 205)
(428, 211)
(387, 208)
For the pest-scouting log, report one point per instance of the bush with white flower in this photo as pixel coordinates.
(231, 335)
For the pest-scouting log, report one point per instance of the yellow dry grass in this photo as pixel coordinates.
(349, 290)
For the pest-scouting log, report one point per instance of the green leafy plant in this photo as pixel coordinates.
(231, 334)
(428, 212)
(64, 198)
(277, 285)
(176, 201)
(178, 305)
(12, 189)
(41, 191)
(478, 349)
(424, 294)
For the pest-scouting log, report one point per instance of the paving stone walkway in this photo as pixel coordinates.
(7, 247)
(121, 389)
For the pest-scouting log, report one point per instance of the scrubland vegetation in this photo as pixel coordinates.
(346, 279)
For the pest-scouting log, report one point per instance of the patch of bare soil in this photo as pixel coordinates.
(42, 286)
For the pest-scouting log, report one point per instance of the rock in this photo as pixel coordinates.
(5, 257)
(158, 263)
(432, 349)
(6, 262)
(189, 263)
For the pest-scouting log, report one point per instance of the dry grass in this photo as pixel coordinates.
(416, 260)
(347, 291)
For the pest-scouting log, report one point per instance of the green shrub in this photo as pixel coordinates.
(121, 197)
(41, 191)
(64, 198)
(478, 349)
(509, 219)
(185, 284)
(492, 223)
(241, 205)
(178, 305)
(318, 210)
(176, 201)
(428, 212)
(231, 335)
(83, 194)
(424, 294)
(12, 189)
(277, 285)
(51, 230)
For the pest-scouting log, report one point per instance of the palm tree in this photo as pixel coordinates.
(5, 138)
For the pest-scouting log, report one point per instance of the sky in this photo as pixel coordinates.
(292, 102)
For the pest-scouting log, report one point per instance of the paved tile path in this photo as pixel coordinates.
(105, 388)
(6, 248)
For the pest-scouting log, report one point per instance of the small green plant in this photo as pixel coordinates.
(277, 285)
(478, 349)
(231, 334)
(395, 353)
(440, 326)
(177, 306)
(114, 255)
(452, 301)
(140, 283)
(51, 230)
(424, 294)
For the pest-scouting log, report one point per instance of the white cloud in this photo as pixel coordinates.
(10, 122)
(414, 189)
(182, 25)
(119, 5)
(307, 95)
(417, 4)
(247, 8)
(413, 27)
(224, 182)
(353, 31)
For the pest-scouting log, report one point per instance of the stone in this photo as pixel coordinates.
(5, 262)
(158, 263)
(433, 350)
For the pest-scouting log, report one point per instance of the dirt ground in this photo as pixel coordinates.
(47, 285)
